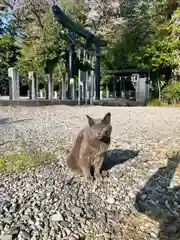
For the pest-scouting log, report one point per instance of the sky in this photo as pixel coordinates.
(5, 17)
(8, 15)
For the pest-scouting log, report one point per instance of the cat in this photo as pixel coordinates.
(90, 147)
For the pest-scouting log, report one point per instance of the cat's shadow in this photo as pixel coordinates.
(118, 156)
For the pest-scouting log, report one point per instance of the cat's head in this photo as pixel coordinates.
(101, 128)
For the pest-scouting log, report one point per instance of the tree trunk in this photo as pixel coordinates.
(159, 90)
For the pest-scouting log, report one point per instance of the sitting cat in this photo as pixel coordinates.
(90, 146)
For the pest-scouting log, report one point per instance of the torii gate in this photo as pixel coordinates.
(91, 39)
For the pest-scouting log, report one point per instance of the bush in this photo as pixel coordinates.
(153, 102)
(171, 93)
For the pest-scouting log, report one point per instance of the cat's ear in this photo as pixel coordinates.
(90, 120)
(107, 118)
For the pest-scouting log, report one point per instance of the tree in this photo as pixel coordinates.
(175, 41)
(1, 27)
(9, 46)
(104, 19)
(139, 33)
(9, 52)
(41, 37)
(149, 39)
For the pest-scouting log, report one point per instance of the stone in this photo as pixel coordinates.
(110, 200)
(68, 231)
(57, 217)
(6, 237)
(76, 236)
(8, 220)
(13, 83)
(33, 83)
(25, 218)
(65, 223)
(133, 209)
(82, 210)
(24, 235)
(77, 211)
(154, 235)
(100, 237)
(107, 236)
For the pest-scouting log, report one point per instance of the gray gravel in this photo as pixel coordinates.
(51, 203)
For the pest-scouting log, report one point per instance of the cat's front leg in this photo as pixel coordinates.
(85, 163)
(86, 169)
(87, 174)
(97, 167)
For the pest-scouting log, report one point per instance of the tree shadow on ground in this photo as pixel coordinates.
(160, 202)
(21, 120)
(4, 121)
(118, 156)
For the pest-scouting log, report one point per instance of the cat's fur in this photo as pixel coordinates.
(90, 146)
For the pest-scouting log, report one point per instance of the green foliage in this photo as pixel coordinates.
(160, 51)
(9, 52)
(172, 92)
(16, 162)
(149, 39)
(158, 82)
(154, 102)
(43, 52)
(105, 79)
(9, 47)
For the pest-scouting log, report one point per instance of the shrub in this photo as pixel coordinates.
(153, 102)
(172, 92)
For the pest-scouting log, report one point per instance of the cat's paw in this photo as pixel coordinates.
(98, 177)
(89, 178)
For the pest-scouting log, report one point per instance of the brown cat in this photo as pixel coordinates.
(90, 146)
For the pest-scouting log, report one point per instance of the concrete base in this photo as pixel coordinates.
(116, 102)
(39, 102)
(45, 102)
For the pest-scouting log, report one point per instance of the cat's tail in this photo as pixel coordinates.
(72, 159)
(72, 163)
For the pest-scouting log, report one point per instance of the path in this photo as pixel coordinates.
(49, 203)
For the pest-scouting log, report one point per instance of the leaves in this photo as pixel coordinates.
(150, 40)
(9, 52)
(139, 33)
(172, 92)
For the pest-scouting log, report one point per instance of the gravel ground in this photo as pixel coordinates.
(138, 198)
